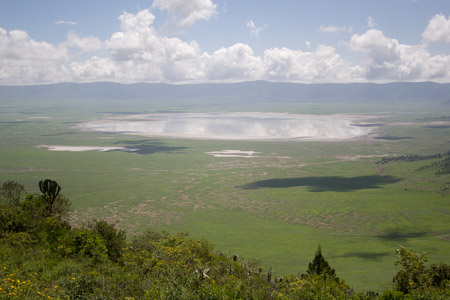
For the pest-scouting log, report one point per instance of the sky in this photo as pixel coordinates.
(198, 41)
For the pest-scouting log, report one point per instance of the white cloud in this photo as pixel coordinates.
(370, 22)
(26, 61)
(140, 53)
(388, 60)
(322, 65)
(334, 29)
(376, 46)
(255, 31)
(83, 44)
(438, 30)
(141, 20)
(185, 13)
(59, 22)
(235, 63)
(96, 69)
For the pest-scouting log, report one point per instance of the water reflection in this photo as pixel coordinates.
(254, 126)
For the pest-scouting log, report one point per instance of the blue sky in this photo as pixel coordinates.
(180, 41)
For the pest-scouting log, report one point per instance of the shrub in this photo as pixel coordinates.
(88, 244)
(440, 275)
(114, 240)
(414, 273)
(11, 192)
(392, 295)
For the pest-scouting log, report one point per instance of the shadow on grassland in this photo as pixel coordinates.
(147, 147)
(401, 236)
(325, 183)
(366, 255)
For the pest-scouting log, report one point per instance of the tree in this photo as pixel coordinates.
(50, 190)
(11, 192)
(56, 203)
(319, 266)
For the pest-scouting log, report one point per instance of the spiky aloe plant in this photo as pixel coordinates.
(50, 190)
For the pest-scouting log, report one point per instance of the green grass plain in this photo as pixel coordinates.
(275, 208)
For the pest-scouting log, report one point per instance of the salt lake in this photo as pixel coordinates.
(236, 126)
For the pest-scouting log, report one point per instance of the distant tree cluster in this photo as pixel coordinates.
(442, 165)
(414, 157)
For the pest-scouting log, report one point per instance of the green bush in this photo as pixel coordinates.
(414, 274)
(88, 244)
(440, 275)
(11, 193)
(114, 240)
(392, 295)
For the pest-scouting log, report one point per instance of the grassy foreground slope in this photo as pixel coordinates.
(43, 257)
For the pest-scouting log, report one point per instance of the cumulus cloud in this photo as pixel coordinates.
(234, 63)
(83, 44)
(334, 29)
(142, 20)
(438, 30)
(185, 13)
(255, 31)
(26, 61)
(388, 60)
(59, 22)
(96, 69)
(322, 65)
(141, 53)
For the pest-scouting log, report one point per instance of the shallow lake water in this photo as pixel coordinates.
(236, 126)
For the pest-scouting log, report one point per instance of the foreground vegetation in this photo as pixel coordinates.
(44, 257)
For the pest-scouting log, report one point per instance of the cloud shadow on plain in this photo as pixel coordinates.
(325, 183)
(375, 256)
(147, 147)
(401, 236)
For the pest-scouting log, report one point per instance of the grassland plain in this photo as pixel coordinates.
(275, 207)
